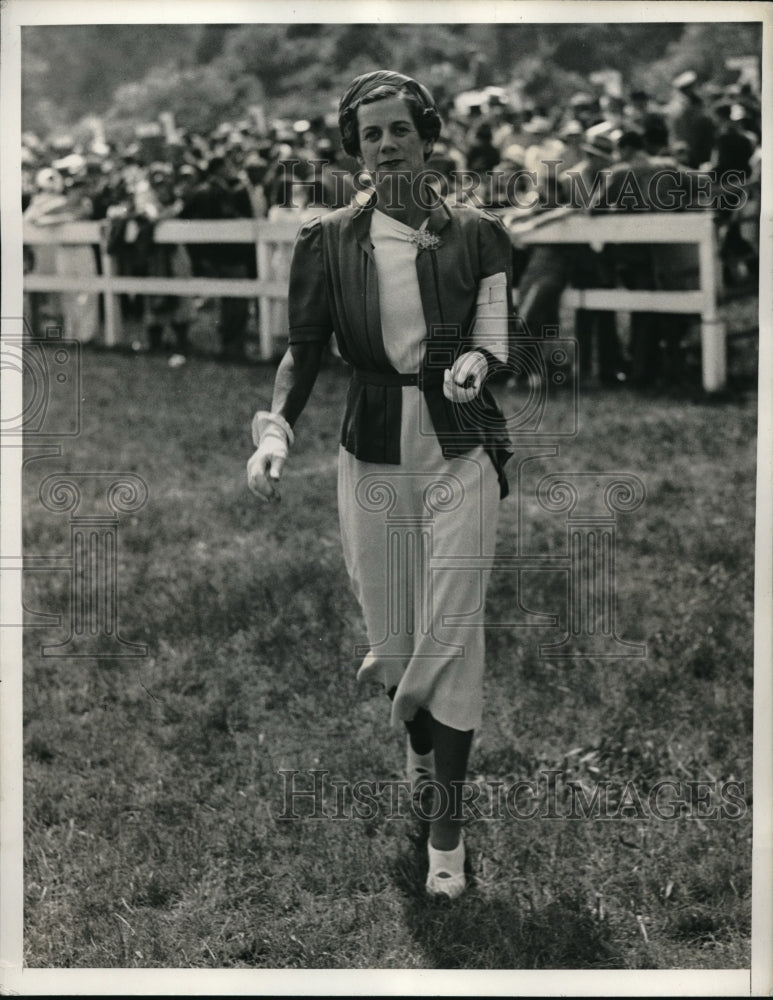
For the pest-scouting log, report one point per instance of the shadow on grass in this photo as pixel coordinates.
(480, 931)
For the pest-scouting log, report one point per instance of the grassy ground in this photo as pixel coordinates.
(152, 786)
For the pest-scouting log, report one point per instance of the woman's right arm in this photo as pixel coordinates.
(310, 329)
(295, 378)
(272, 432)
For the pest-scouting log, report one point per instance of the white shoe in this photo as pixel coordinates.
(419, 767)
(446, 871)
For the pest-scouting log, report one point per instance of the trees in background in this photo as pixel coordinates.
(205, 74)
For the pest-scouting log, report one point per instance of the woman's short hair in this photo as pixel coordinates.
(377, 86)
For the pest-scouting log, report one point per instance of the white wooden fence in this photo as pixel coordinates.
(564, 226)
(273, 243)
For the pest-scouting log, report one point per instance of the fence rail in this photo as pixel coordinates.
(564, 226)
(273, 243)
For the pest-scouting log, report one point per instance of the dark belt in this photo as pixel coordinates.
(421, 379)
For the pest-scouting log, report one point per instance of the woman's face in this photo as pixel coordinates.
(389, 139)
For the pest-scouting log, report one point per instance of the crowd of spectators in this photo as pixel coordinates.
(513, 157)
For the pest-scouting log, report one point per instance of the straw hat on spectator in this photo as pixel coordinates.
(582, 100)
(514, 153)
(536, 126)
(599, 141)
(680, 151)
(62, 143)
(685, 81)
(159, 172)
(571, 129)
(49, 180)
(254, 159)
(72, 164)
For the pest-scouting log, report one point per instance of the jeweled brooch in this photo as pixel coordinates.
(425, 240)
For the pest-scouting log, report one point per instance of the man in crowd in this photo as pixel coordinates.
(733, 153)
(222, 196)
(655, 337)
(166, 260)
(690, 122)
(584, 187)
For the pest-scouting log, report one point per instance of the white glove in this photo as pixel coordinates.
(273, 437)
(464, 380)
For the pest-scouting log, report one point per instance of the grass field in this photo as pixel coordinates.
(152, 785)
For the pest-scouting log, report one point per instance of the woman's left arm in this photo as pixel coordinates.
(490, 333)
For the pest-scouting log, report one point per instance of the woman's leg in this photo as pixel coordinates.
(452, 751)
(420, 731)
(420, 763)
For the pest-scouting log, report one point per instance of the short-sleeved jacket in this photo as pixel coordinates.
(334, 288)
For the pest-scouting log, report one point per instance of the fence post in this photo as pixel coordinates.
(111, 300)
(264, 302)
(713, 347)
(256, 227)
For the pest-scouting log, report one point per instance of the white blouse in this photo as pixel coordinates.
(402, 317)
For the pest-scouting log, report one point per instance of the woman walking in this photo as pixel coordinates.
(418, 294)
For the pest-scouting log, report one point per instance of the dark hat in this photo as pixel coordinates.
(367, 83)
(631, 139)
(655, 125)
(215, 163)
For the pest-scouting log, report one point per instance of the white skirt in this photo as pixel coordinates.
(418, 542)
